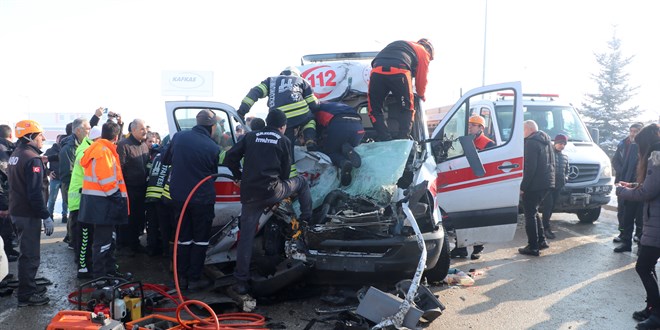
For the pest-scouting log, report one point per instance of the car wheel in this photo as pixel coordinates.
(439, 272)
(588, 215)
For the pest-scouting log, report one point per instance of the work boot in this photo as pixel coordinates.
(241, 287)
(458, 253)
(476, 252)
(382, 131)
(543, 245)
(618, 239)
(351, 155)
(84, 274)
(623, 248)
(643, 314)
(33, 300)
(549, 234)
(653, 322)
(345, 172)
(199, 285)
(41, 289)
(529, 251)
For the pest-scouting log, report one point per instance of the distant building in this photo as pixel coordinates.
(435, 115)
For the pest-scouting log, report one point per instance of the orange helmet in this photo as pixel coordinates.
(25, 127)
(476, 119)
(428, 46)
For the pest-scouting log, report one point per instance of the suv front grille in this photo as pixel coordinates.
(582, 172)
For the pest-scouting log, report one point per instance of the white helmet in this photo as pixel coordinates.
(290, 71)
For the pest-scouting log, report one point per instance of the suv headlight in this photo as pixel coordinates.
(606, 171)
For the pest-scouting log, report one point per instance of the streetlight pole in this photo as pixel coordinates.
(483, 68)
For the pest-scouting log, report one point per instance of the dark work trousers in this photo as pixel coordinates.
(70, 224)
(7, 233)
(193, 239)
(29, 235)
(167, 224)
(104, 250)
(74, 235)
(384, 80)
(308, 131)
(129, 234)
(632, 216)
(548, 205)
(341, 130)
(620, 211)
(533, 223)
(250, 215)
(645, 267)
(154, 243)
(85, 248)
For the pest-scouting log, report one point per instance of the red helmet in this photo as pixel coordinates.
(25, 127)
(427, 45)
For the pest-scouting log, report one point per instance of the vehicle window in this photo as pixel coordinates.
(186, 119)
(558, 120)
(504, 121)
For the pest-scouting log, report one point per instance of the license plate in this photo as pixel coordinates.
(598, 189)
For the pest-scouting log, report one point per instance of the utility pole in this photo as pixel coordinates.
(483, 68)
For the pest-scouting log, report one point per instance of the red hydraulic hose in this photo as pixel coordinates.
(256, 321)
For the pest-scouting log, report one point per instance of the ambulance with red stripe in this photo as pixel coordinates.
(442, 175)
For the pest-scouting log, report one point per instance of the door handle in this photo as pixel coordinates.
(508, 166)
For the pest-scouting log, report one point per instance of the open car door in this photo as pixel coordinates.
(480, 207)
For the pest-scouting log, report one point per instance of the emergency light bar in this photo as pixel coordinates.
(550, 96)
(337, 57)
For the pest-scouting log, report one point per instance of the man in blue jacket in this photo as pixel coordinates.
(193, 155)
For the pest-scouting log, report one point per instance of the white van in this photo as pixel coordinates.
(590, 178)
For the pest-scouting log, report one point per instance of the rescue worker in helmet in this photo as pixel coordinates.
(476, 125)
(292, 94)
(392, 71)
(28, 193)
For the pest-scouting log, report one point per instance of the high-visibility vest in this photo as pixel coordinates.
(102, 170)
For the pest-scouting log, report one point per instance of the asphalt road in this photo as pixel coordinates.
(578, 283)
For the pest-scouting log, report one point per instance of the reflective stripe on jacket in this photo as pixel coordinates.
(104, 198)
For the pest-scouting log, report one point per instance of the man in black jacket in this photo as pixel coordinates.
(561, 176)
(53, 154)
(538, 179)
(28, 190)
(193, 155)
(6, 228)
(134, 156)
(264, 181)
(624, 163)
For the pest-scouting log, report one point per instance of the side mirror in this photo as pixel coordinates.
(470, 151)
(595, 134)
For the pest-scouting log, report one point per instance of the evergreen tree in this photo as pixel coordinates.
(606, 109)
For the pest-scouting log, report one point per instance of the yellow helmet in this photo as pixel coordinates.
(25, 127)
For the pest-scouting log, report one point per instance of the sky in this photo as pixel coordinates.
(76, 56)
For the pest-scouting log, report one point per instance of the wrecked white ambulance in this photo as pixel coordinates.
(372, 228)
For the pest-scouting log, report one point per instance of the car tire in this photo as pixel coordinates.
(588, 215)
(441, 269)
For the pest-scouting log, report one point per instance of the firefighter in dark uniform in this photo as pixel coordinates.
(392, 71)
(293, 95)
(264, 181)
(340, 128)
(160, 232)
(193, 155)
(28, 193)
